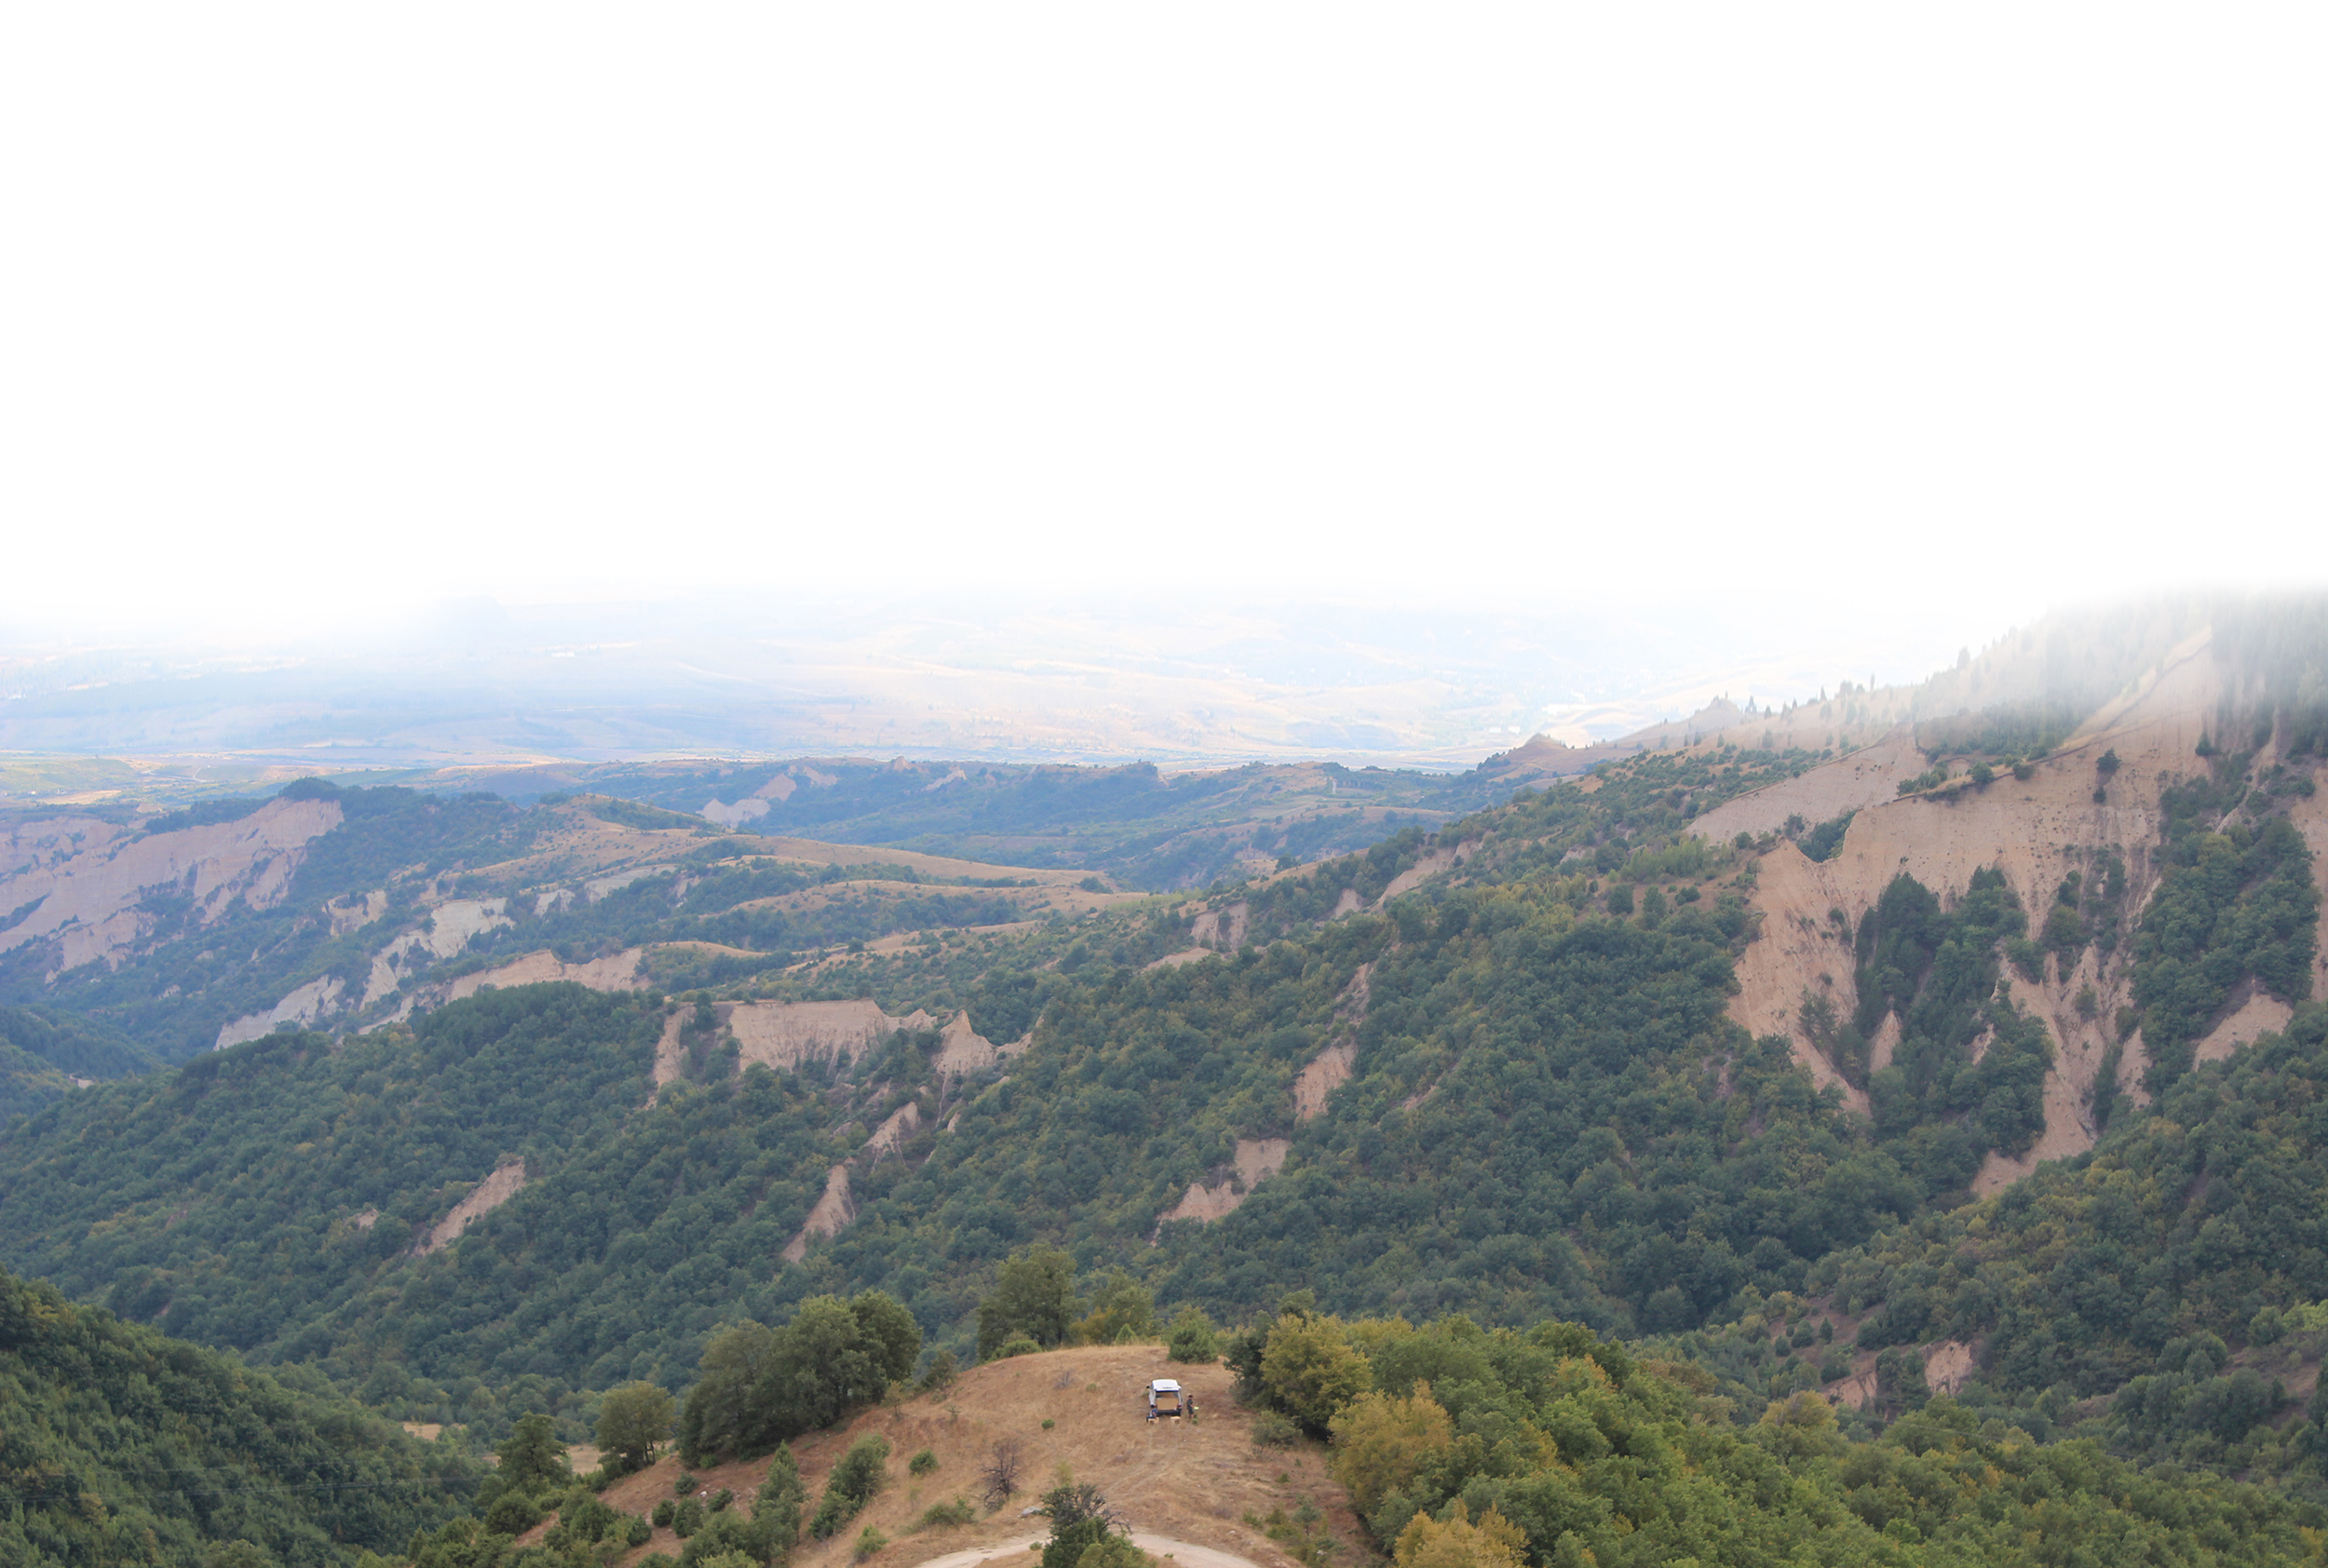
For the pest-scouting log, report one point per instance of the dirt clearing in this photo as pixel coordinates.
(1184, 1487)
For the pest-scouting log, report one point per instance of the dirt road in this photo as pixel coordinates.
(1181, 1553)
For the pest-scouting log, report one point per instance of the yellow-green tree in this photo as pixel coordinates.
(1309, 1371)
(1800, 1428)
(1120, 1307)
(1380, 1444)
(1494, 1542)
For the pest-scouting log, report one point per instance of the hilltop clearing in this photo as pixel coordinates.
(1083, 1410)
(1597, 1456)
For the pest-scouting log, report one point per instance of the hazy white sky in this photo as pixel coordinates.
(310, 313)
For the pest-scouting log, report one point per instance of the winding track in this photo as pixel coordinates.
(1182, 1553)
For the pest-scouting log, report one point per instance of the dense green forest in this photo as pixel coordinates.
(2178, 1269)
(44, 1052)
(120, 1446)
(1548, 1113)
(1548, 1445)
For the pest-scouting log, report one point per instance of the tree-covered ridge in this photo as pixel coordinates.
(363, 892)
(1140, 825)
(722, 904)
(2188, 1248)
(1550, 1446)
(275, 1190)
(120, 1446)
(190, 975)
(2237, 904)
(45, 1053)
(244, 1196)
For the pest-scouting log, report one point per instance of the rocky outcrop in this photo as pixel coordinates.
(1257, 1160)
(963, 1050)
(1222, 928)
(308, 1005)
(890, 1136)
(1432, 864)
(787, 1035)
(830, 1217)
(1867, 777)
(735, 816)
(618, 971)
(356, 911)
(1330, 1069)
(86, 890)
(506, 1182)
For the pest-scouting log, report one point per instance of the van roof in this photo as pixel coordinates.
(1165, 1385)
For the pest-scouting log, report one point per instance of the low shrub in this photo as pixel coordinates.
(513, 1513)
(938, 1516)
(855, 1480)
(1192, 1338)
(1272, 1430)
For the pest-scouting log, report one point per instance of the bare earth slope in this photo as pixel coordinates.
(92, 889)
(2034, 832)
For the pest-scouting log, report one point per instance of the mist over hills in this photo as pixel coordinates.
(1398, 685)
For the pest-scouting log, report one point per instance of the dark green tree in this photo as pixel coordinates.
(632, 1421)
(532, 1459)
(1033, 1295)
(781, 1500)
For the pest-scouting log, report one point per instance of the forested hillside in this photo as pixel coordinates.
(270, 1195)
(1548, 1445)
(45, 1054)
(1656, 1053)
(120, 1446)
(1511, 1090)
(1546, 1111)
